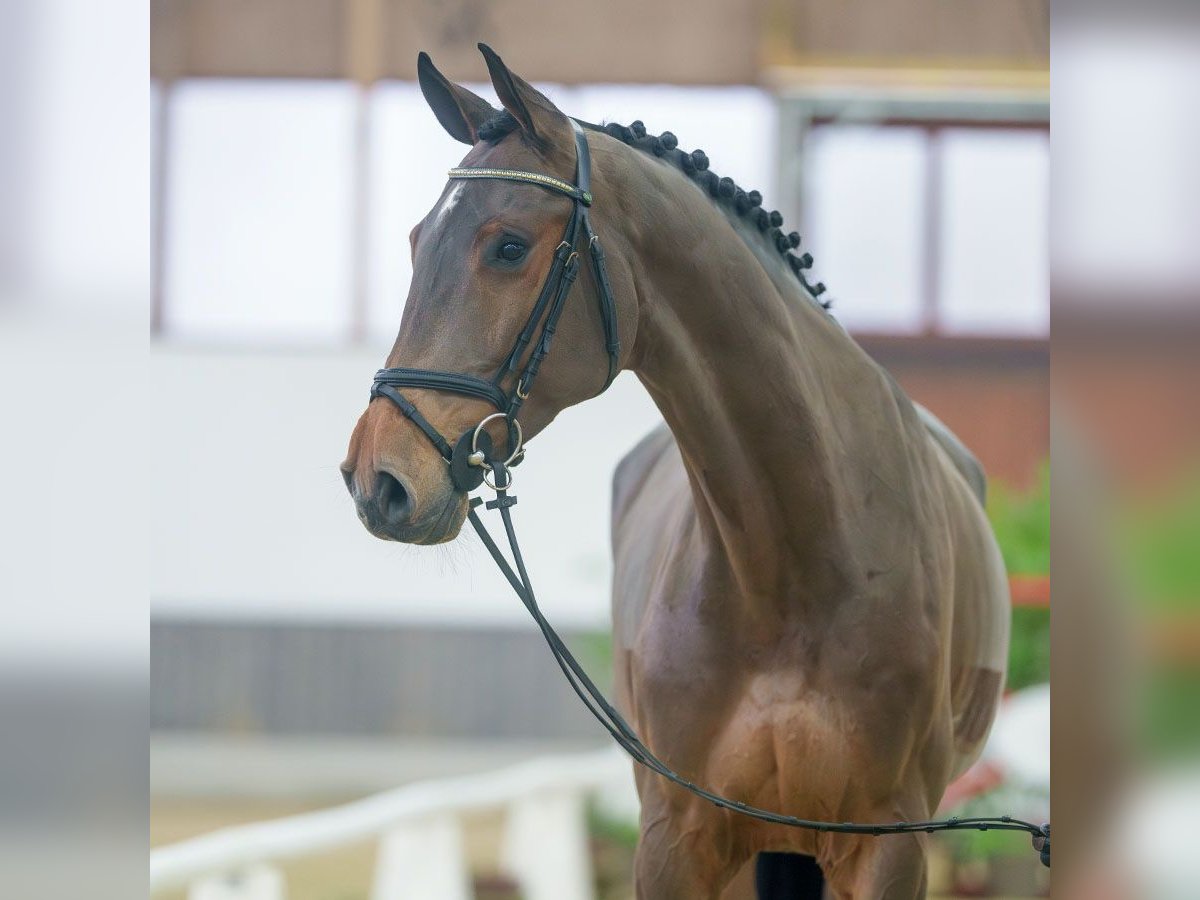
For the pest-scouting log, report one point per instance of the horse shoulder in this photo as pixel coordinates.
(963, 460)
(976, 607)
(650, 497)
(634, 469)
(981, 610)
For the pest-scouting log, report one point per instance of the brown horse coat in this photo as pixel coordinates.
(810, 610)
(823, 724)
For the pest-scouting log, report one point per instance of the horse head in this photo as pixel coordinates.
(480, 263)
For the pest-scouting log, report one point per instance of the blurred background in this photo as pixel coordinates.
(276, 163)
(297, 662)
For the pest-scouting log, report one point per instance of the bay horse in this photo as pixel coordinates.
(810, 612)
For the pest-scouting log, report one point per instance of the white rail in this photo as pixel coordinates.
(420, 856)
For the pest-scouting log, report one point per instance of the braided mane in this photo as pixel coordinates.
(746, 204)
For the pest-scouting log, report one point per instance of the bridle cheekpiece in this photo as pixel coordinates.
(471, 456)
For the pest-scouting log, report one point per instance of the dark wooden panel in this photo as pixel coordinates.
(676, 41)
(949, 32)
(673, 41)
(342, 679)
(248, 38)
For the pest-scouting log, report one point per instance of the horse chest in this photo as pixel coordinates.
(761, 720)
(766, 739)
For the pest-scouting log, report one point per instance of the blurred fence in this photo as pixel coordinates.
(544, 848)
(419, 830)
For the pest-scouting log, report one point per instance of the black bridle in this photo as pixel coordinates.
(471, 458)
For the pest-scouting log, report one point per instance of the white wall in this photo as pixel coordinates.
(250, 516)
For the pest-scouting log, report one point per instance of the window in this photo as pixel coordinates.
(865, 188)
(258, 231)
(993, 266)
(931, 228)
(410, 154)
(735, 126)
(287, 205)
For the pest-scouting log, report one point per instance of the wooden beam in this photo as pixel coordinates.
(364, 31)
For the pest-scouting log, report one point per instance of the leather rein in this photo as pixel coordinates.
(471, 460)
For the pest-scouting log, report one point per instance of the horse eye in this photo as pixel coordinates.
(511, 251)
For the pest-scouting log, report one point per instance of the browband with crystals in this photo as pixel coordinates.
(546, 181)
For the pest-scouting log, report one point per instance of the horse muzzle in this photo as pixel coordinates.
(389, 507)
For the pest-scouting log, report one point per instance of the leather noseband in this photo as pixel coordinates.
(547, 310)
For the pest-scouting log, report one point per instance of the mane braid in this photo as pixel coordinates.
(745, 204)
(694, 165)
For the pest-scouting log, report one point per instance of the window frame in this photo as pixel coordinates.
(801, 114)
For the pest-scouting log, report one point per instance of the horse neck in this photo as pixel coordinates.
(748, 374)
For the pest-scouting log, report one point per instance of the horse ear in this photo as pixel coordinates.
(540, 119)
(460, 112)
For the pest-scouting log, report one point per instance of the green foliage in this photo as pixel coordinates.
(594, 650)
(1021, 522)
(1168, 717)
(1160, 541)
(619, 831)
(968, 845)
(1029, 648)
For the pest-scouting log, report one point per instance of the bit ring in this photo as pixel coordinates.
(516, 451)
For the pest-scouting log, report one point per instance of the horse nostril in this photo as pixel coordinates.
(348, 477)
(392, 499)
